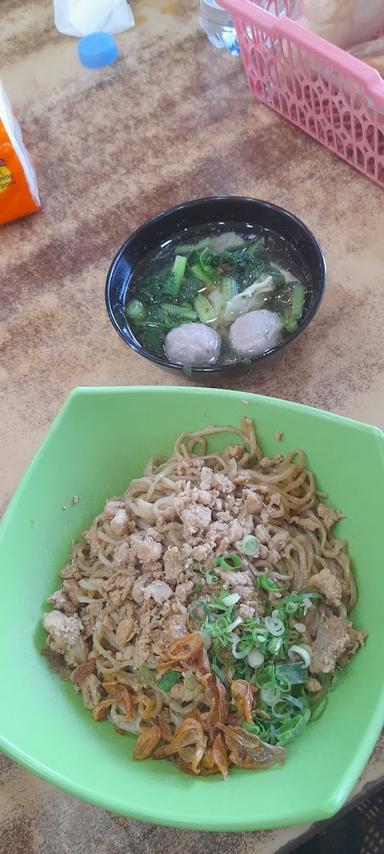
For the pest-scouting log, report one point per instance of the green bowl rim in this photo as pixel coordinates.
(151, 813)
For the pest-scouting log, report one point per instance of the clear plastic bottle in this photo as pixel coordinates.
(218, 26)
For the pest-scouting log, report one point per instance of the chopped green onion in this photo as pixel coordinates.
(302, 652)
(219, 673)
(229, 561)
(270, 696)
(266, 676)
(237, 622)
(250, 545)
(294, 671)
(168, 680)
(281, 709)
(318, 710)
(255, 657)
(292, 727)
(274, 645)
(216, 603)
(197, 585)
(300, 627)
(238, 654)
(274, 625)
(283, 682)
(210, 577)
(256, 729)
(298, 702)
(268, 584)
(292, 607)
(230, 600)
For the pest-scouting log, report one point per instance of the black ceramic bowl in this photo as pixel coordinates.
(200, 212)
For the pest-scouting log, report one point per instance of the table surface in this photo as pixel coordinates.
(171, 120)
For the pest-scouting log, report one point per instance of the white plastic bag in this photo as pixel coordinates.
(82, 17)
(342, 22)
(372, 53)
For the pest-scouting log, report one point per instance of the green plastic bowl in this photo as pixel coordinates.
(100, 440)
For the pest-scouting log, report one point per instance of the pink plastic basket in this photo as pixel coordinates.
(331, 95)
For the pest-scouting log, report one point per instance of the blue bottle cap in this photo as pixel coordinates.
(97, 50)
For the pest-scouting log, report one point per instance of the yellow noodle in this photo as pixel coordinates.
(290, 502)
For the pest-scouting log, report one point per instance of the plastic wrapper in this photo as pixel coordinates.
(372, 53)
(18, 187)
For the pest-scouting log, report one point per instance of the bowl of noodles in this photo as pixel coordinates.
(201, 624)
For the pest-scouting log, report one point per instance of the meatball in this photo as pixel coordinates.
(255, 332)
(193, 344)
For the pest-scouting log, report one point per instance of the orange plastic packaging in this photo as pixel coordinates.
(18, 187)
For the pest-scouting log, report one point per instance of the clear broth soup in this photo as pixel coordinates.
(244, 289)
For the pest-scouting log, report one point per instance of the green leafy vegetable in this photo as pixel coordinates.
(256, 247)
(176, 277)
(277, 275)
(201, 283)
(152, 339)
(228, 287)
(216, 299)
(291, 320)
(169, 680)
(179, 313)
(154, 287)
(202, 266)
(204, 308)
(135, 310)
(189, 289)
(229, 561)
